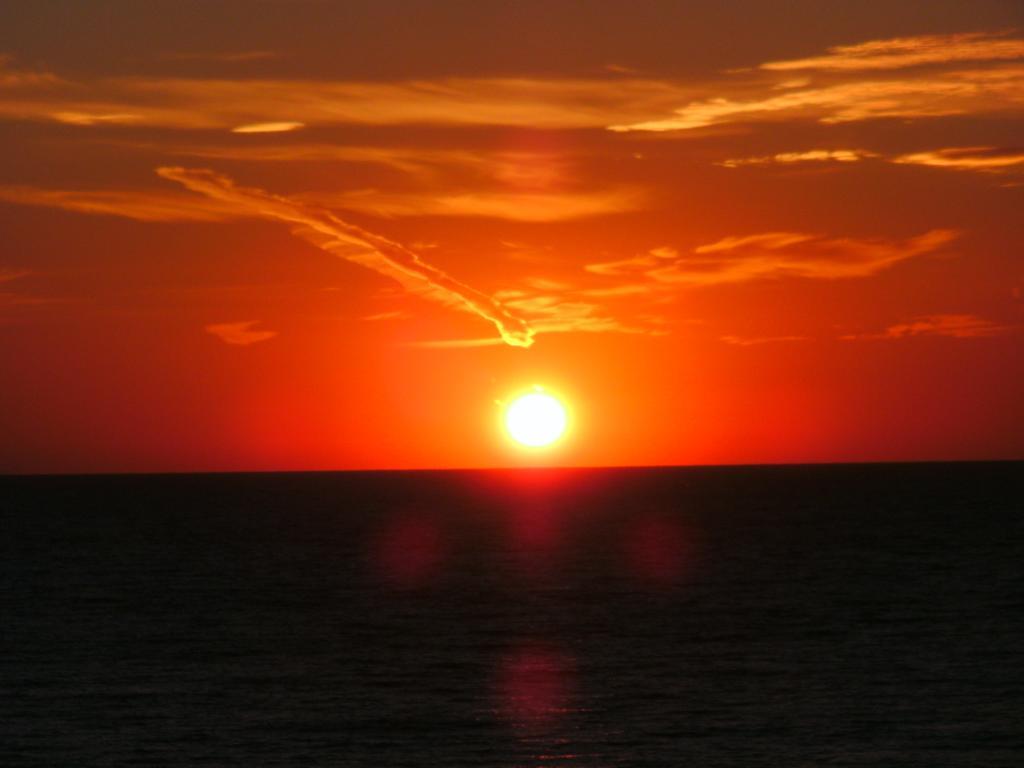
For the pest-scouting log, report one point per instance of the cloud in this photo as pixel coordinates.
(519, 170)
(557, 314)
(513, 206)
(875, 79)
(776, 255)
(141, 205)
(562, 310)
(842, 92)
(653, 259)
(977, 159)
(96, 118)
(230, 57)
(9, 299)
(619, 291)
(953, 326)
(551, 306)
(902, 52)
(6, 275)
(566, 309)
(454, 343)
(983, 159)
(279, 127)
(806, 156)
(239, 333)
(349, 242)
(158, 205)
(13, 79)
(955, 93)
(225, 103)
(749, 341)
(397, 314)
(409, 159)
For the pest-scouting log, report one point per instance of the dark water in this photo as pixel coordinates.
(795, 616)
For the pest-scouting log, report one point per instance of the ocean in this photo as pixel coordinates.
(837, 615)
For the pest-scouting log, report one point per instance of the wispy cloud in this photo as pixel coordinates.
(455, 343)
(519, 170)
(552, 313)
(805, 156)
(568, 309)
(277, 127)
(954, 326)
(842, 91)
(881, 78)
(554, 306)
(619, 291)
(750, 341)
(486, 181)
(775, 255)
(995, 160)
(956, 93)
(20, 79)
(395, 314)
(141, 205)
(227, 103)
(514, 206)
(231, 57)
(410, 159)
(903, 52)
(239, 333)
(159, 205)
(6, 275)
(11, 299)
(96, 117)
(983, 159)
(641, 264)
(352, 243)
(620, 69)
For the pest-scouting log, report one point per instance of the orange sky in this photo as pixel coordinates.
(311, 235)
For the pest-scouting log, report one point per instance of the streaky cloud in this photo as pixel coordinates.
(140, 205)
(240, 333)
(981, 159)
(956, 326)
(6, 275)
(752, 341)
(352, 243)
(806, 156)
(569, 311)
(454, 343)
(775, 255)
(512, 206)
(902, 52)
(970, 74)
(226, 103)
(934, 95)
(96, 118)
(229, 57)
(281, 126)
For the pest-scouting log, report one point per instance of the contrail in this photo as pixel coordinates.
(327, 231)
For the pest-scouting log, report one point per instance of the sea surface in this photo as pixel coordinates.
(846, 615)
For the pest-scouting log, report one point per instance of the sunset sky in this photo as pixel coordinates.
(288, 235)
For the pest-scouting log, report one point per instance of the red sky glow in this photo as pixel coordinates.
(298, 235)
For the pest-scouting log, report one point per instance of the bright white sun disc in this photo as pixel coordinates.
(535, 419)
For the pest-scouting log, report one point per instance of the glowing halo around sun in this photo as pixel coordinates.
(535, 419)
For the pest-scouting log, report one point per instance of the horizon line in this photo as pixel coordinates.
(526, 468)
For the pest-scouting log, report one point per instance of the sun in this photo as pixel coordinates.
(535, 419)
